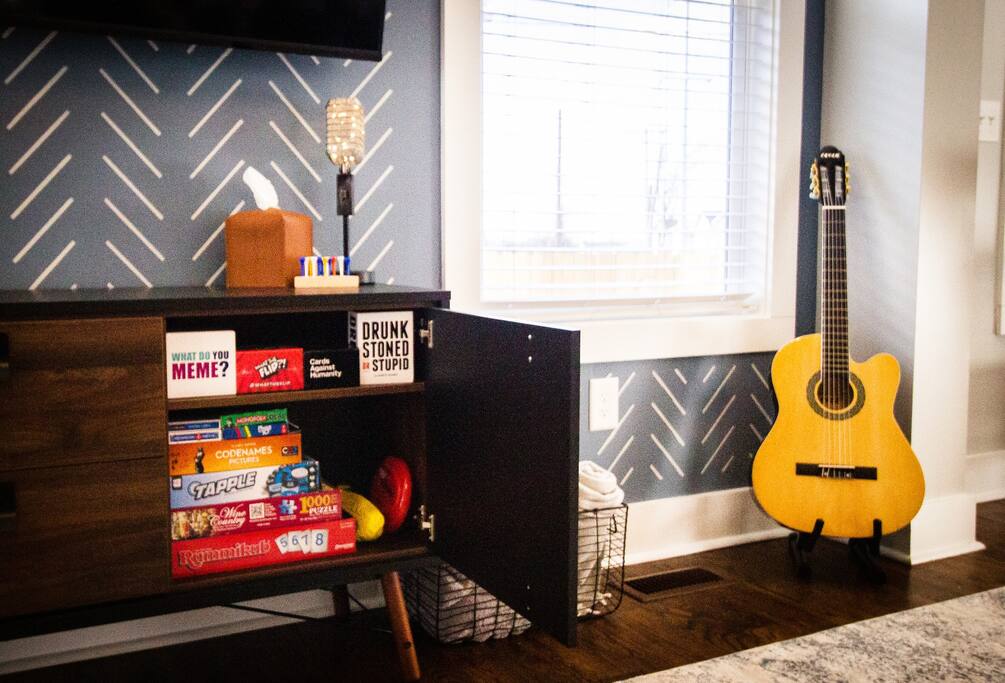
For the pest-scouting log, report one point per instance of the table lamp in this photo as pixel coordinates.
(346, 142)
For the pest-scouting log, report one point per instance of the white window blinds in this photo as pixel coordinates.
(626, 149)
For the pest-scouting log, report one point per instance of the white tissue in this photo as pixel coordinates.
(262, 188)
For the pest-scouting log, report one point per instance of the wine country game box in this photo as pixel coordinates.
(254, 515)
(384, 341)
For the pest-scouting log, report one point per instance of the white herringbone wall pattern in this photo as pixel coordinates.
(687, 425)
(121, 157)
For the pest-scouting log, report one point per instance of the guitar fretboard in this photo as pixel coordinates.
(834, 294)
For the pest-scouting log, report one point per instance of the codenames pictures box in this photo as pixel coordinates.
(258, 548)
(385, 343)
(197, 457)
(201, 363)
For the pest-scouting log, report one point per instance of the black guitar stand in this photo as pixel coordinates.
(801, 544)
(863, 551)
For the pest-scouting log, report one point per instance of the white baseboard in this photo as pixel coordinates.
(683, 525)
(985, 476)
(169, 629)
(944, 527)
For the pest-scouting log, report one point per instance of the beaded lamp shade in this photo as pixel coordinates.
(346, 135)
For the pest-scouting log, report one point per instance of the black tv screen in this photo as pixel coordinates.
(339, 28)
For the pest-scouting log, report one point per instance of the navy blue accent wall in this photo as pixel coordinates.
(121, 157)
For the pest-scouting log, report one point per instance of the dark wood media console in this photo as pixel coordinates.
(489, 428)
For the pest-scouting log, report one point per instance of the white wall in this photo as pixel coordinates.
(901, 98)
(985, 474)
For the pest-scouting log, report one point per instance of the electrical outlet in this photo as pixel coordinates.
(603, 404)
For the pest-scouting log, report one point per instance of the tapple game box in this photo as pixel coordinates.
(234, 486)
(231, 518)
(259, 548)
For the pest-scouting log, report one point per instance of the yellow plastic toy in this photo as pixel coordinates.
(369, 520)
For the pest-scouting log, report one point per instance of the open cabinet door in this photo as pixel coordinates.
(503, 431)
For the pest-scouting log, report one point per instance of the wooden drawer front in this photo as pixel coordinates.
(81, 391)
(83, 535)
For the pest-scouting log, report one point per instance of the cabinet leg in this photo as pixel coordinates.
(340, 601)
(400, 627)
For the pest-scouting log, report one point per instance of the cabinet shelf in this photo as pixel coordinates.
(374, 556)
(293, 396)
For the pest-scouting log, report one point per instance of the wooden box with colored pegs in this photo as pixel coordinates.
(318, 272)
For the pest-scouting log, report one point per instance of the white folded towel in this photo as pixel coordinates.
(598, 488)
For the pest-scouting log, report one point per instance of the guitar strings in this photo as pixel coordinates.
(835, 366)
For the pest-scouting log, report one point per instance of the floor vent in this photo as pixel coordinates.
(666, 584)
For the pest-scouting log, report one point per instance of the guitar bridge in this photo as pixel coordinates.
(825, 471)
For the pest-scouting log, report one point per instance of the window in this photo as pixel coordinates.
(626, 149)
(630, 162)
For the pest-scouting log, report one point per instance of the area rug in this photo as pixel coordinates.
(956, 640)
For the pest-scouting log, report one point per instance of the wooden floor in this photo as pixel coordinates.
(761, 602)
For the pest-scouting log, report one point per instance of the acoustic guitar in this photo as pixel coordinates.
(836, 454)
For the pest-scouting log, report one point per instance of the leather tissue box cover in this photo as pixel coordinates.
(264, 247)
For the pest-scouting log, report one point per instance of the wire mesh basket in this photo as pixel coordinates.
(601, 565)
(454, 609)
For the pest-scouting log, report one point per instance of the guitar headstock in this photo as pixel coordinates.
(830, 182)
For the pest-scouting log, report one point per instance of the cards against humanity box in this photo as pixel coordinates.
(220, 456)
(270, 370)
(201, 363)
(212, 488)
(263, 547)
(384, 341)
(217, 520)
(329, 369)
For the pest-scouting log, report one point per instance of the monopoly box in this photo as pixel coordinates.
(256, 430)
(215, 488)
(218, 520)
(270, 370)
(263, 547)
(198, 457)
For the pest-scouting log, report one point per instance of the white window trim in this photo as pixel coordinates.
(632, 338)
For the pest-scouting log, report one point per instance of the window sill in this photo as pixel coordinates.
(605, 341)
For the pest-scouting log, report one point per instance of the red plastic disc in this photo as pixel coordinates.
(391, 492)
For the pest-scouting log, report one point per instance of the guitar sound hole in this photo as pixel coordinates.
(835, 396)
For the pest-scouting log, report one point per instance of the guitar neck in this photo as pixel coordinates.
(834, 295)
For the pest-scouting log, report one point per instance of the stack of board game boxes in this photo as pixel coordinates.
(243, 495)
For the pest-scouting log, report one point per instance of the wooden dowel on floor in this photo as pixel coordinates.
(400, 627)
(340, 601)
